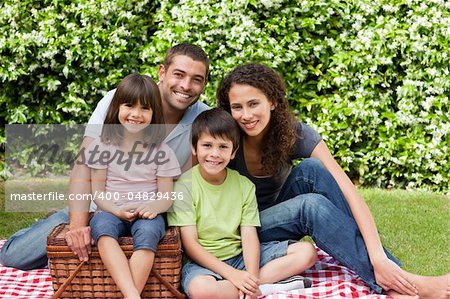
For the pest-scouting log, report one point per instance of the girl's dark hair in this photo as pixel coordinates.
(134, 89)
(281, 136)
(217, 123)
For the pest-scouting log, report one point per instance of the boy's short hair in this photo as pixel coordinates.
(192, 51)
(217, 123)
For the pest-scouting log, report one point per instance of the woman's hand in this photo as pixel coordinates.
(390, 276)
(245, 282)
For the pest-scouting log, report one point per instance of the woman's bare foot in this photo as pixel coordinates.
(431, 287)
(396, 295)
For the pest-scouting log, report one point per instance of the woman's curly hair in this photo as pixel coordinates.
(281, 136)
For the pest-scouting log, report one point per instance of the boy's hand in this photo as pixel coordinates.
(242, 295)
(245, 282)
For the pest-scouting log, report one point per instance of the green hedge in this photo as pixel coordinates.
(371, 76)
(58, 59)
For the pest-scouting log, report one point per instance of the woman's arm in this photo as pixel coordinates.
(388, 274)
(242, 280)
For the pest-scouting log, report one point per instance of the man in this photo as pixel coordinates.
(182, 79)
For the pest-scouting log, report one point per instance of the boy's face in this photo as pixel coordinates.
(182, 83)
(213, 155)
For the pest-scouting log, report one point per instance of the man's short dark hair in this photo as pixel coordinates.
(192, 51)
(217, 123)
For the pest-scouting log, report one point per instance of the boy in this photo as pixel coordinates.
(218, 217)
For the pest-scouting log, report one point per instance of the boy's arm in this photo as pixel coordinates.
(242, 280)
(251, 249)
(251, 252)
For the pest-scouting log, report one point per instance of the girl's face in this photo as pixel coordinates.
(135, 117)
(250, 108)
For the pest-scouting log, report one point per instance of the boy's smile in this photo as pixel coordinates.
(213, 155)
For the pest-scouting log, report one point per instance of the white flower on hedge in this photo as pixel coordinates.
(271, 3)
(390, 8)
(330, 42)
(437, 178)
(428, 102)
(318, 48)
(339, 80)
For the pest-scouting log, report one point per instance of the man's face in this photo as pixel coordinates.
(182, 83)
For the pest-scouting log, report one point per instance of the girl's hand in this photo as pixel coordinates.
(245, 282)
(126, 215)
(145, 211)
(148, 215)
(390, 276)
(142, 210)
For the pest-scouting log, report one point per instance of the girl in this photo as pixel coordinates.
(129, 163)
(314, 198)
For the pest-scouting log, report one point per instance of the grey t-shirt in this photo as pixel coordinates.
(268, 188)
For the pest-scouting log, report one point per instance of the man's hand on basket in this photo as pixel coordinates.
(80, 241)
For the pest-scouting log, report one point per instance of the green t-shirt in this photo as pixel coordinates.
(217, 211)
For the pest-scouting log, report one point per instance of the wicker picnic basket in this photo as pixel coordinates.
(90, 279)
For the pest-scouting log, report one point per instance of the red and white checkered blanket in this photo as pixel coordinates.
(330, 280)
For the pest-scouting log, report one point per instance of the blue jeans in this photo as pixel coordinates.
(311, 203)
(146, 233)
(268, 252)
(26, 249)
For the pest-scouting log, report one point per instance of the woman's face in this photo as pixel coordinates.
(250, 108)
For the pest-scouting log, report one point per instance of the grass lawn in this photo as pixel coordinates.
(414, 226)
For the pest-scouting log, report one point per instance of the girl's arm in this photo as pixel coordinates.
(98, 181)
(251, 250)
(242, 280)
(388, 274)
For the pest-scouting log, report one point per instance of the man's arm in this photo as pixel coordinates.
(79, 235)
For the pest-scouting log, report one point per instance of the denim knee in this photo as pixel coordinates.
(106, 224)
(309, 168)
(293, 217)
(26, 249)
(147, 233)
(313, 204)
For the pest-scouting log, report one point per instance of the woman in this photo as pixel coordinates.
(314, 198)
